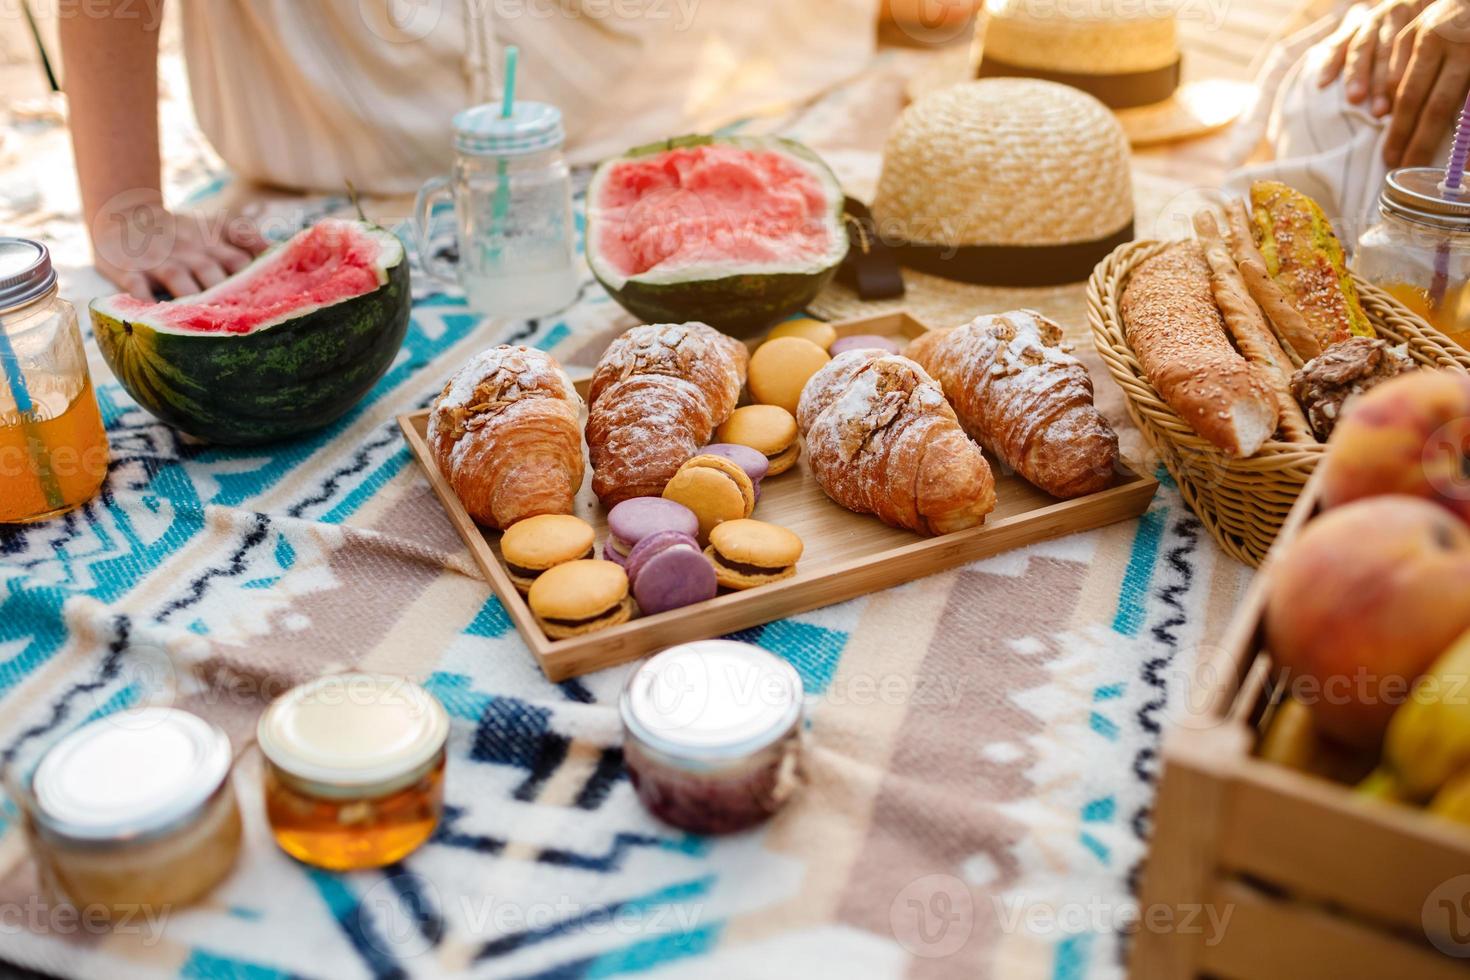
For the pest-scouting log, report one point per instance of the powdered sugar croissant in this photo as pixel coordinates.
(882, 440)
(1025, 399)
(504, 432)
(656, 397)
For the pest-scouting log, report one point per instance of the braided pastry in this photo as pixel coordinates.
(1025, 399)
(656, 396)
(504, 432)
(882, 440)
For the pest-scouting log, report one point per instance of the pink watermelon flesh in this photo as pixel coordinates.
(714, 204)
(328, 263)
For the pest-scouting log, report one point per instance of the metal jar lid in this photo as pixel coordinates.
(711, 704)
(531, 128)
(26, 274)
(117, 783)
(354, 736)
(1417, 194)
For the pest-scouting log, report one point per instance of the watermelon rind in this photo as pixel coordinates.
(740, 303)
(285, 378)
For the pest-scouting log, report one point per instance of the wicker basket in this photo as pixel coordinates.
(1242, 502)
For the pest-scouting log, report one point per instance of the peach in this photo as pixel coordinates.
(1362, 603)
(1409, 435)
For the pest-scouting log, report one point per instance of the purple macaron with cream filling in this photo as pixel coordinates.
(755, 464)
(667, 571)
(633, 520)
(863, 341)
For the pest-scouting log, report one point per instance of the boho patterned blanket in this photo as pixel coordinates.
(984, 740)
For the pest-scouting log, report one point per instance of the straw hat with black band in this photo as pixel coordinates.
(1125, 53)
(1005, 182)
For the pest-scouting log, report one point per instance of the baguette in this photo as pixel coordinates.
(1172, 324)
(1247, 324)
(1290, 325)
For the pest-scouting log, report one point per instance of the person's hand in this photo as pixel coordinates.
(143, 248)
(1431, 73)
(1361, 51)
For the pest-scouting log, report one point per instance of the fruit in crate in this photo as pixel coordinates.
(1410, 435)
(1428, 741)
(1361, 603)
(737, 232)
(286, 345)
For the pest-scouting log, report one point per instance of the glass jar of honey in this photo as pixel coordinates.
(1419, 251)
(354, 769)
(131, 816)
(53, 450)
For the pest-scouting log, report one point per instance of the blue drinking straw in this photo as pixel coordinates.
(502, 186)
(40, 460)
(1453, 190)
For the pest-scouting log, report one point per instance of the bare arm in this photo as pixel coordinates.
(110, 56)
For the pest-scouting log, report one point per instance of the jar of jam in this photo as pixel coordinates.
(122, 816)
(1419, 251)
(713, 735)
(354, 769)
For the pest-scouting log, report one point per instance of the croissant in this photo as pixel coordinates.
(882, 440)
(1024, 398)
(504, 432)
(656, 396)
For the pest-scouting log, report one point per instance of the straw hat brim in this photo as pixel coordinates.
(1197, 108)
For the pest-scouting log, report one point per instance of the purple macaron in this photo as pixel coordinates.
(667, 571)
(633, 520)
(864, 341)
(755, 464)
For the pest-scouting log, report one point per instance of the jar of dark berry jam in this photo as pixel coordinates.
(713, 735)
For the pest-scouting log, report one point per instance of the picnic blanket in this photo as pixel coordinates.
(984, 742)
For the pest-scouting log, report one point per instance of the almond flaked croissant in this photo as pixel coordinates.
(656, 396)
(505, 434)
(882, 440)
(1024, 398)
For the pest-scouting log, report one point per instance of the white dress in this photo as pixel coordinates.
(306, 94)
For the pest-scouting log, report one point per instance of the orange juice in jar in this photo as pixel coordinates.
(53, 450)
(1419, 251)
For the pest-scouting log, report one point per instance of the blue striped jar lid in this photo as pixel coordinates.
(531, 128)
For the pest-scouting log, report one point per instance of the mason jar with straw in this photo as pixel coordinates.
(1419, 250)
(512, 195)
(53, 450)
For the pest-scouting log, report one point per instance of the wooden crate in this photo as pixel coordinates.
(1317, 881)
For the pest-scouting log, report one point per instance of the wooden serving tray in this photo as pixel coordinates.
(846, 554)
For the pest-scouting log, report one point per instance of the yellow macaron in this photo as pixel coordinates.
(768, 429)
(824, 335)
(531, 546)
(780, 368)
(579, 597)
(715, 488)
(751, 553)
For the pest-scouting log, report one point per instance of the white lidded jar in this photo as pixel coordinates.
(134, 812)
(713, 734)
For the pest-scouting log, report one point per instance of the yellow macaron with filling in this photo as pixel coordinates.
(768, 429)
(715, 488)
(579, 597)
(780, 368)
(751, 553)
(531, 546)
(824, 335)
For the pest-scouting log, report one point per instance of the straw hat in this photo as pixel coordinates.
(1123, 52)
(1005, 182)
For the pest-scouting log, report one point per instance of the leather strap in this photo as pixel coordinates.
(1125, 91)
(1012, 265)
(871, 268)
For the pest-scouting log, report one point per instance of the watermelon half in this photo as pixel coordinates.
(286, 345)
(738, 232)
